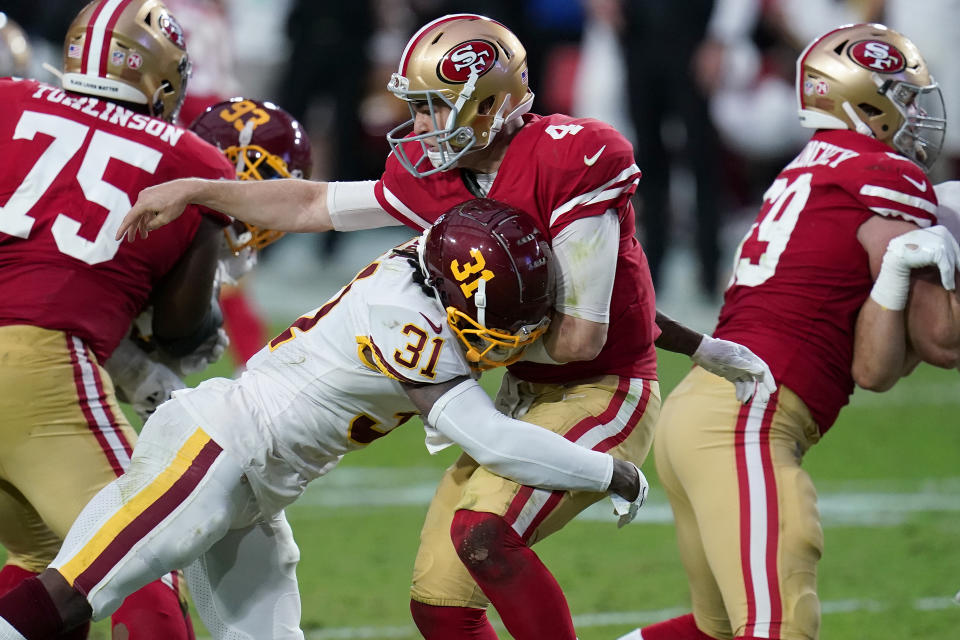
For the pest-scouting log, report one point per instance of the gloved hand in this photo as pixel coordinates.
(140, 381)
(153, 390)
(233, 266)
(626, 510)
(202, 357)
(749, 374)
(935, 246)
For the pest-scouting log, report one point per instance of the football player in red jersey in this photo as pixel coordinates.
(592, 378)
(76, 156)
(840, 231)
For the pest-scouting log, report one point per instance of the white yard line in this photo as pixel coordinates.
(414, 486)
(635, 618)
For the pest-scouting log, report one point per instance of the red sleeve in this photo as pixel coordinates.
(590, 174)
(894, 187)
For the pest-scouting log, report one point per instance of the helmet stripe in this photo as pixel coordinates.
(88, 36)
(95, 53)
(405, 58)
(108, 36)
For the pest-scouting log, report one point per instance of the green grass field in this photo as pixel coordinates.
(888, 477)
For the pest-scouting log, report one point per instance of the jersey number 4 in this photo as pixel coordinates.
(760, 251)
(68, 138)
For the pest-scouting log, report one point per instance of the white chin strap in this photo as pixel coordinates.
(855, 119)
(244, 140)
(480, 299)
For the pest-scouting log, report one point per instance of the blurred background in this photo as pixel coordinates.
(703, 89)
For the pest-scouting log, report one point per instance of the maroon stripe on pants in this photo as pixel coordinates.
(150, 518)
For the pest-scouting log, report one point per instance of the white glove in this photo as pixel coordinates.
(203, 356)
(233, 266)
(140, 381)
(935, 246)
(749, 374)
(626, 510)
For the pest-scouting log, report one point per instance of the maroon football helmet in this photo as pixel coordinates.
(493, 272)
(265, 142)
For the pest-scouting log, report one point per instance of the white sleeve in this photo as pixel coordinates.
(586, 255)
(948, 211)
(517, 450)
(353, 206)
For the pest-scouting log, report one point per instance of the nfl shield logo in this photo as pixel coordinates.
(117, 58)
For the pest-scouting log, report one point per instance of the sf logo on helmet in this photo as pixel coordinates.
(476, 268)
(877, 56)
(465, 59)
(172, 29)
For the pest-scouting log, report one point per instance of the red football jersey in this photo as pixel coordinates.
(558, 169)
(74, 166)
(800, 274)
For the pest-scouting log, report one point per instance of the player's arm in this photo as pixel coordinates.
(899, 320)
(585, 252)
(182, 313)
(462, 411)
(285, 205)
(729, 360)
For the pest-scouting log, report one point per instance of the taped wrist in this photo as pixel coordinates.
(892, 286)
(179, 347)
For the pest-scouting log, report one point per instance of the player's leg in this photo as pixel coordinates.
(446, 604)
(682, 408)
(245, 585)
(498, 520)
(181, 494)
(30, 546)
(755, 498)
(72, 425)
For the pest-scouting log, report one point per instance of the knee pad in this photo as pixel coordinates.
(483, 540)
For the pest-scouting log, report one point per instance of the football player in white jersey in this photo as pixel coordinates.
(215, 466)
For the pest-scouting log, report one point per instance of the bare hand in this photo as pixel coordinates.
(155, 207)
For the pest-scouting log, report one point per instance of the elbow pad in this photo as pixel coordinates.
(520, 451)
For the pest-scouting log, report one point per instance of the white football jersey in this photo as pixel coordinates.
(330, 383)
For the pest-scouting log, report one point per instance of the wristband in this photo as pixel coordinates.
(892, 286)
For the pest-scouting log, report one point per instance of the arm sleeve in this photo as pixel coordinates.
(517, 450)
(353, 206)
(948, 211)
(586, 254)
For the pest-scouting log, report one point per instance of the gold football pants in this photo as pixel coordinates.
(746, 512)
(611, 414)
(62, 438)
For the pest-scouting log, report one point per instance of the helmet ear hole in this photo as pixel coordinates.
(485, 106)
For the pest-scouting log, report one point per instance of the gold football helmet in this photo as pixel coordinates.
(873, 80)
(128, 52)
(14, 48)
(476, 67)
